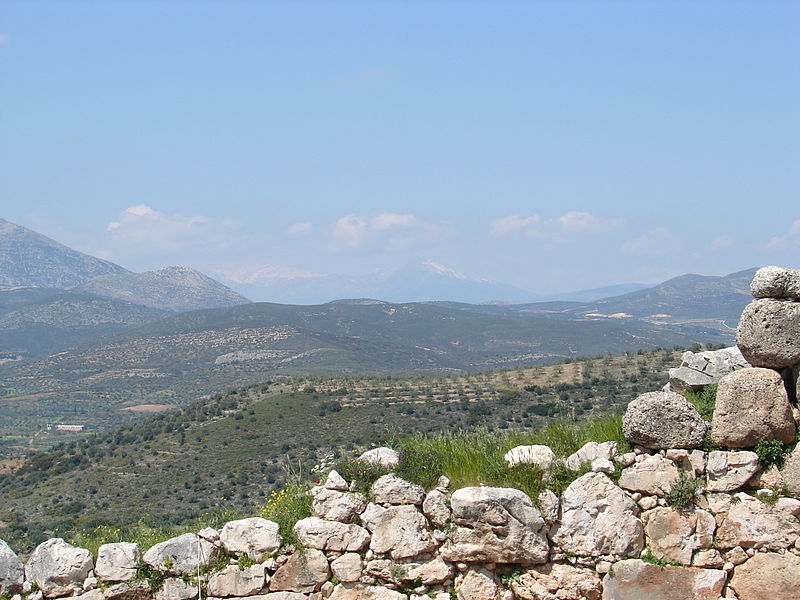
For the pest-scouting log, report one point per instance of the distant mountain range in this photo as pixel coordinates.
(52, 296)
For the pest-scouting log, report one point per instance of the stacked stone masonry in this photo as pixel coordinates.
(610, 535)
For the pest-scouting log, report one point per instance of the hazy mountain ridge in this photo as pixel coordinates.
(174, 289)
(28, 258)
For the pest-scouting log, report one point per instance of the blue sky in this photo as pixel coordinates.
(554, 146)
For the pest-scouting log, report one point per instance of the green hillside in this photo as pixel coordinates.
(230, 450)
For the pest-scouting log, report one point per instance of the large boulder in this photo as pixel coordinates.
(181, 555)
(650, 474)
(637, 580)
(336, 505)
(728, 471)
(662, 420)
(699, 369)
(391, 489)
(365, 592)
(347, 567)
(255, 537)
(234, 581)
(749, 522)
(752, 405)
(11, 571)
(314, 532)
(555, 581)
(117, 562)
(590, 452)
(597, 518)
(674, 535)
(304, 572)
(381, 457)
(400, 531)
(57, 567)
(768, 575)
(496, 525)
(537, 454)
(769, 333)
(776, 282)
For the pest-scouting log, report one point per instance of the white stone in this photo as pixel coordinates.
(335, 505)
(590, 452)
(650, 474)
(11, 571)
(118, 561)
(57, 567)
(348, 567)
(256, 537)
(234, 581)
(539, 455)
(314, 532)
(391, 489)
(384, 457)
(728, 471)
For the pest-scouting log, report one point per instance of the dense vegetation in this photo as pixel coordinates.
(230, 451)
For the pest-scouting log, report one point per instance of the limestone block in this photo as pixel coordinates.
(661, 420)
(769, 333)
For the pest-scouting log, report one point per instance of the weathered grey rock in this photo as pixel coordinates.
(478, 584)
(776, 282)
(336, 482)
(57, 567)
(699, 369)
(590, 452)
(537, 454)
(768, 575)
(365, 592)
(117, 562)
(650, 474)
(174, 588)
(597, 518)
(751, 523)
(11, 571)
(128, 590)
(429, 572)
(769, 333)
(391, 489)
(181, 555)
(708, 559)
(93, 594)
(549, 505)
(555, 581)
(636, 580)
(304, 572)
(348, 567)
(752, 405)
(233, 581)
(673, 535)
(384, 457)
(435, 508)
(790, 472)
(314, 532)
(401, 531)
(209, 534)
(254, 536)
(495, 525)
(334, 505)
(728, 471)
(661, 420)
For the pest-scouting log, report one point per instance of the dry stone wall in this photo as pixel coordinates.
(611, 535)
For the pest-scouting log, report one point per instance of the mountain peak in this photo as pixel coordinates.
(32, 259)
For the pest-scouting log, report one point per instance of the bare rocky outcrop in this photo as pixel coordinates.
(769, 333)
(11, 571)
(752, 405)
(776, 282)
(598, 518)
(255, 537)
(496, 525)
(58, 568)
(768, 576)
(661, 420)
(118, 561)
(637, 580)
(181, 555)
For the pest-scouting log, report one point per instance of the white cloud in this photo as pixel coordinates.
(299, 228)
(787, 240)
(656, 242)
(721, 242)
(512, 223)
(394, 221)
(147, 231)
(559, 229)
(390, 230)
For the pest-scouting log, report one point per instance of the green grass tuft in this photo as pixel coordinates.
(703, 400)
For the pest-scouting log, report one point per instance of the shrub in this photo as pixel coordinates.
(683, 492)
(286, 507)
(703, 400)
(771, 452)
